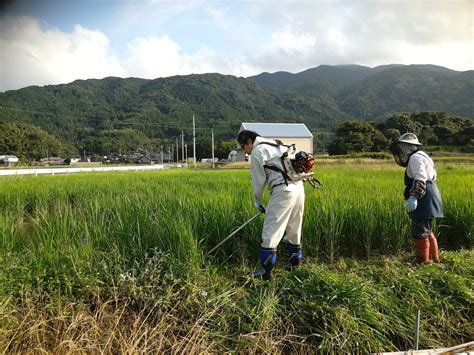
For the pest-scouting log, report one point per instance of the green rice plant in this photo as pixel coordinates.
(136, 242)
(458, 225)
(10, 226)
(313, 233)
(356, 212)
(366, 227)
(330, 227)
(394, 231)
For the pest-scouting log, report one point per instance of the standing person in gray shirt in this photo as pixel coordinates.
(423, 199)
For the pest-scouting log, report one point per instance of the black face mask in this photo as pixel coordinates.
(397, 152)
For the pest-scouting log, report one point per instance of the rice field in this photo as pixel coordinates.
(116, 262)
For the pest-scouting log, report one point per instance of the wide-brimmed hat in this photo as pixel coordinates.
(409, 138)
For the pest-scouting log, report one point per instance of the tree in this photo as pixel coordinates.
(403, 123)
(337, 147)
(436, 128)
(203, 148)
(391, 134)
(30, 143)
(357, 137)
(223, 148)
(116, 140)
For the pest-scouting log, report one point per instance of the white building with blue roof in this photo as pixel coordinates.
(8, 160)
(288, 133)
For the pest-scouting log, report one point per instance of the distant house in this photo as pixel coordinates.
(143, 160)
(288, 133)
(74, 161)
(8, 160)
(140, 157)
(52, 161)
(232, 157)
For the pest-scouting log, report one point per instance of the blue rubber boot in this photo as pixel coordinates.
(295, 256)
(268, 259)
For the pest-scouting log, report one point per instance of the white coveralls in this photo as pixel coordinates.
(286, 206)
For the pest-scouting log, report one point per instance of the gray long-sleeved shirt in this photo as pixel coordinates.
(421, 167)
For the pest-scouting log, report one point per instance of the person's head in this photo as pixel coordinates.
(402, 148)
(246, 139)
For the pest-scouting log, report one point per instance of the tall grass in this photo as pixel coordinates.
(115, 262)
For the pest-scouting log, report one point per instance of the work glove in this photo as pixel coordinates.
(259, 206)
(411, 203)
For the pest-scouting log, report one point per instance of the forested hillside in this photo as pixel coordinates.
(374, 93)
(410, 89)
(113, 114)
(324, 80)
(151, 112)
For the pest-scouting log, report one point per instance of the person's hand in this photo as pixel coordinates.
(259, 206)
(411, 203)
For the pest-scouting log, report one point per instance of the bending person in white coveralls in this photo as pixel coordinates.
(284, 213)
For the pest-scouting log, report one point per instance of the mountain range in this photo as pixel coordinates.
(372, 93)
(161, 109)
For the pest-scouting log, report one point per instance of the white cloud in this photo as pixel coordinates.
(155, 57)
(293, 44)
(366, 32)
(238, 38)
(32, 55)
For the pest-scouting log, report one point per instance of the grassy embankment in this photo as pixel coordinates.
(115, 262)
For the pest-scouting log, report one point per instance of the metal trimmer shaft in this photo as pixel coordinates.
(233, 233)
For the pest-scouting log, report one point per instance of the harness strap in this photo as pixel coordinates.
(277, 144)
(278, 170)
(273, 186)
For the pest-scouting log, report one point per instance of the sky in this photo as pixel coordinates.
(45, 42)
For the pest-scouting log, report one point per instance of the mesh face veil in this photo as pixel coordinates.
(402, 151)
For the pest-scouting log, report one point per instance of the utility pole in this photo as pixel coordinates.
(186, 150)
(182, 145)
(194, 141)
(212, 133)
(172, 154)
(177, 150)
(161, 153)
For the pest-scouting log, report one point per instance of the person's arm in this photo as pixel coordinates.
(258, 175)
(419, 174)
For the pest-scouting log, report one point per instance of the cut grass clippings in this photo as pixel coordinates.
(349, 306)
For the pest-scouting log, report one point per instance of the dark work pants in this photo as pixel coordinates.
(421, 229)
